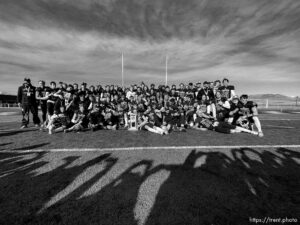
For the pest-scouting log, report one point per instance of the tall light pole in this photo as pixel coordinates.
(122, 70)
(166, 70)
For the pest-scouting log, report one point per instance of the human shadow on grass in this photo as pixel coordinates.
(3, 144)
(23, 193)
(11, 162)
(221, 189)
(112, 204)
(228, 190)
(11, 133)
(32, 146)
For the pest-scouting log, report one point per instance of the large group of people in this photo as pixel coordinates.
(159, 109)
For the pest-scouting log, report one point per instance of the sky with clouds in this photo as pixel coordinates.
(254, 43)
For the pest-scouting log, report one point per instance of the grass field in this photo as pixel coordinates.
(183, 178)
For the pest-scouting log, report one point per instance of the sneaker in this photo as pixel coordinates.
(260, 134)
(24, 126)
(36, 125)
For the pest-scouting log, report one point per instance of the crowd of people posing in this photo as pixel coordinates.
(159, 109)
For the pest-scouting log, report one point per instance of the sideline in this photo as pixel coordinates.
(149, 148)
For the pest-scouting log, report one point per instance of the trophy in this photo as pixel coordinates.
(133, 125)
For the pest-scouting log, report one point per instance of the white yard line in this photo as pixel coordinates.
(279, 126)
(279, 119)
(149, 148)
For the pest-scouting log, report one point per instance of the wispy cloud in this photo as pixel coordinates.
(254, 43)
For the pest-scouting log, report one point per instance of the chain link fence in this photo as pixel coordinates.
(277, 105)
(8, 105)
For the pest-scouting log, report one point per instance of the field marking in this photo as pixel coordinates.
(274, 112)
(279, 126)
(148, 148)
(279, 119)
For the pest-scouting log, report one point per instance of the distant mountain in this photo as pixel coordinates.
(4, 93)
(272, 97)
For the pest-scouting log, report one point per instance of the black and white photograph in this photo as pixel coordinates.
(149, 112)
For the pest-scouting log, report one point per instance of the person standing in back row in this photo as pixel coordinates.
(42, 99)
(27, 101)
(227, 91)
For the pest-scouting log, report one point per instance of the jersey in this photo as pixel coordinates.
(246, 109)
(81, 117)
(105, 94)
(51, 92)
(222, 105)
(156, 121)
(69, 97)
(181, 93)
(209, 94)
(233, 106)
(94, 92)
(190, 93)
(60, 120)
(95, 107)
(26, 95)
(113, 92)
(83, 92)
(226, 91)
(173, 94)
(41, 92)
